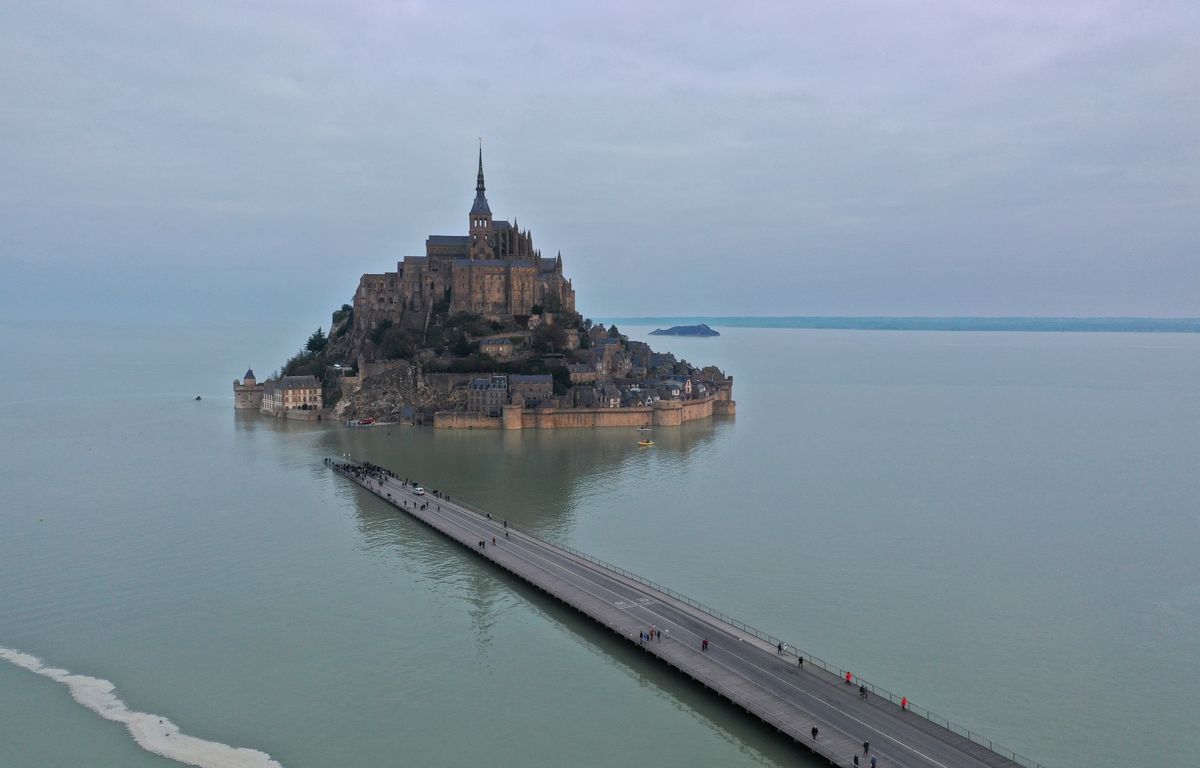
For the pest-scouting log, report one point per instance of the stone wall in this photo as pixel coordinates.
(667, 413)
(464, 420)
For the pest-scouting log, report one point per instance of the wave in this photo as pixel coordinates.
(152, 733)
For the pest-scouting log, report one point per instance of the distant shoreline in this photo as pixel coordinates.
(1030, 324)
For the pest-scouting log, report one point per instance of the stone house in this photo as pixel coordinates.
(533, 387)
(488, 395)
(501, 349)
(610, 396)
(581, 373)
(293, 397)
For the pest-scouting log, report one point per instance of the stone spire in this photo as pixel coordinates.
(479, 179)
(481, 204)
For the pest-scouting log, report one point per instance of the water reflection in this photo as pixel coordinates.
(536, 479)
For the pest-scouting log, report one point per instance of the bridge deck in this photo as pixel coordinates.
(740, 667)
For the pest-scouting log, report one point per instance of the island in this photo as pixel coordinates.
(481, 332)
(685, 330)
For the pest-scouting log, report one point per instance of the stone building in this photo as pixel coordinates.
(501, 349)
(247, 393)
(534, 388)
(494, 270)
(488, 395)
(293, 397)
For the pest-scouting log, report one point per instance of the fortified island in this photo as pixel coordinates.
(481, 333)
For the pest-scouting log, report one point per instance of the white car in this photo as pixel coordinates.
(418, 490)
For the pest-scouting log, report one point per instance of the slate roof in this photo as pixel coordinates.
(448, 240)
(531, 378)
(249, 374)
(299, 382)
(480, 205)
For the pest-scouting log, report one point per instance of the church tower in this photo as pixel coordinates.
(481, 219)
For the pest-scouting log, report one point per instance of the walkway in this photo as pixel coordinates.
(737, 665)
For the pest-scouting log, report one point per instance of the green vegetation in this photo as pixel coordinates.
(317, 342)
(548, 338)
(562, 380)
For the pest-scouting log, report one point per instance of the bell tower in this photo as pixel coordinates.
(481, 218)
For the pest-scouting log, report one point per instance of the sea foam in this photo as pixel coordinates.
(152, 733)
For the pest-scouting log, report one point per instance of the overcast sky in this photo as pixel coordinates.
(173, 161)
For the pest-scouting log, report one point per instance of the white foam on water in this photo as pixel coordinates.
(152, 733)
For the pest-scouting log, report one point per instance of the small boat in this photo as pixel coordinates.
(646, 443)
(197, 397)
(644, 429)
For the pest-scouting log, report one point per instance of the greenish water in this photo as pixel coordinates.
(1000, 526)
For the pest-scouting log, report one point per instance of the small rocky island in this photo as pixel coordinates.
(685, 330)
(481, 332)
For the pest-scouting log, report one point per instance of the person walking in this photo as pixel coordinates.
(493, 541)
(872, 761)
(866, 747)
(849, 677)
(779, 649)
(856, 760)
(903, 703)
(800, 661)
(815, 732)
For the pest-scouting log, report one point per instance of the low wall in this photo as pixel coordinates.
(464, 420)
(668, 413)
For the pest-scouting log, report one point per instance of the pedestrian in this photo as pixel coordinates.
(814, 733)
(862, 691)
(800, 661)
(506, 534)
(505, 523)
(866, 747)
(856, 759)
(848, 678)
(779, 649)
(493, 541)
(903, 703)
(872, 761)
(660, 635)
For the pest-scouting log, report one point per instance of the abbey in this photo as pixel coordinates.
(493, 271)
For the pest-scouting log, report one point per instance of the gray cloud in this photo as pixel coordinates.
(937, 157)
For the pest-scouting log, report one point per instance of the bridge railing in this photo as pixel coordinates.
(788, 648)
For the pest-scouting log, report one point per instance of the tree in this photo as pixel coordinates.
(613, 333)
(587, 324)
(562, 380)
(317, 341)
(462, 347)
(341, 314)
(548, 337)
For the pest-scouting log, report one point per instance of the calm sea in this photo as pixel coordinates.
(1001, 526)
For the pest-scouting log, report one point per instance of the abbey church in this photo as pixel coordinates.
(493, 270)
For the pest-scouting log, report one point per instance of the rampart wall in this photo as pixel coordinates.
(667, 413)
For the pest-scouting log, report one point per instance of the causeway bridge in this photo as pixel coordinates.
(739, 663)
